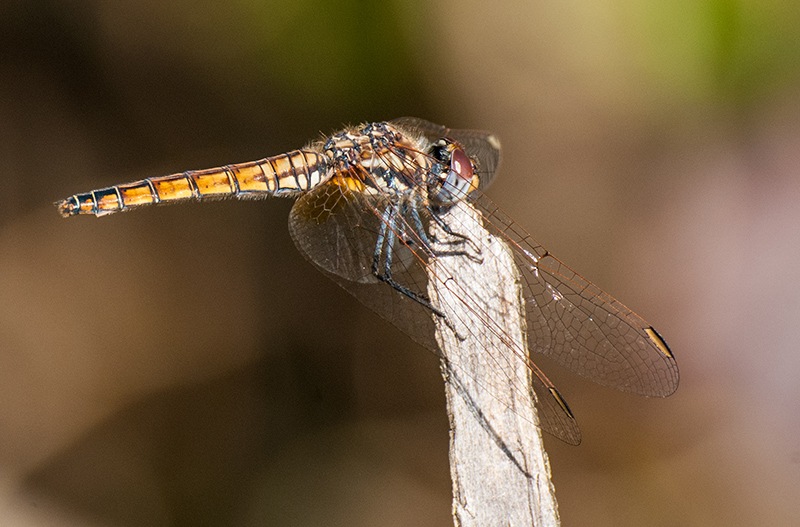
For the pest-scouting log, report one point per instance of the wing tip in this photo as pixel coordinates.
(661, 345)
(569, 434)
(659, 341)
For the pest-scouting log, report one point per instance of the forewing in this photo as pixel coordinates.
(581, 327)
(476, 291)
(336, 230)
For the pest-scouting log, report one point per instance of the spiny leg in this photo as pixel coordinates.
(462, 238)
(428, 240)
(385, 246)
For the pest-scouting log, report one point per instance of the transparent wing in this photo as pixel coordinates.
(336, 229)
(569, 319)
(482, 306)
(337, 226)
(578, 325)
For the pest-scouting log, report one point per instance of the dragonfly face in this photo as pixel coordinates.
(366, 200)
(457, 180)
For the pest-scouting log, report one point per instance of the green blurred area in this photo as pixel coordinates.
(739, 53)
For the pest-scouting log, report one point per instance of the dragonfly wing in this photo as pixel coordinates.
(555, 417)
(581, 327)
(481, 298)
(336, 230)
(332, 234)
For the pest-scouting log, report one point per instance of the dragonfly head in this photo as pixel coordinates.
(455, 175)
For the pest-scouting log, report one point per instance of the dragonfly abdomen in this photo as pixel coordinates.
(281, 175)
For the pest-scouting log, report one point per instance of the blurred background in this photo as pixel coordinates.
(186, 366)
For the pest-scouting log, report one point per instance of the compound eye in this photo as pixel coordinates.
(459, 180)
(461, 165)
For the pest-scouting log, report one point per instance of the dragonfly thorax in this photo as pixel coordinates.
(380, 157)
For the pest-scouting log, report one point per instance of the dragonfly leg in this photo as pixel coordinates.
(428, 240)
(383, 272)
(419, 228)
(461, 238)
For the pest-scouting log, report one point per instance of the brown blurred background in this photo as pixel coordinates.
(185, 366)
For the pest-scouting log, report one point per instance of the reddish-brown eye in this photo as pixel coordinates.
(461, 164)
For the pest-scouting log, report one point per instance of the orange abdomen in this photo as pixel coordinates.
(284, 174)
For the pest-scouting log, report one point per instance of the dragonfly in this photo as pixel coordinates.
(369, 213)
